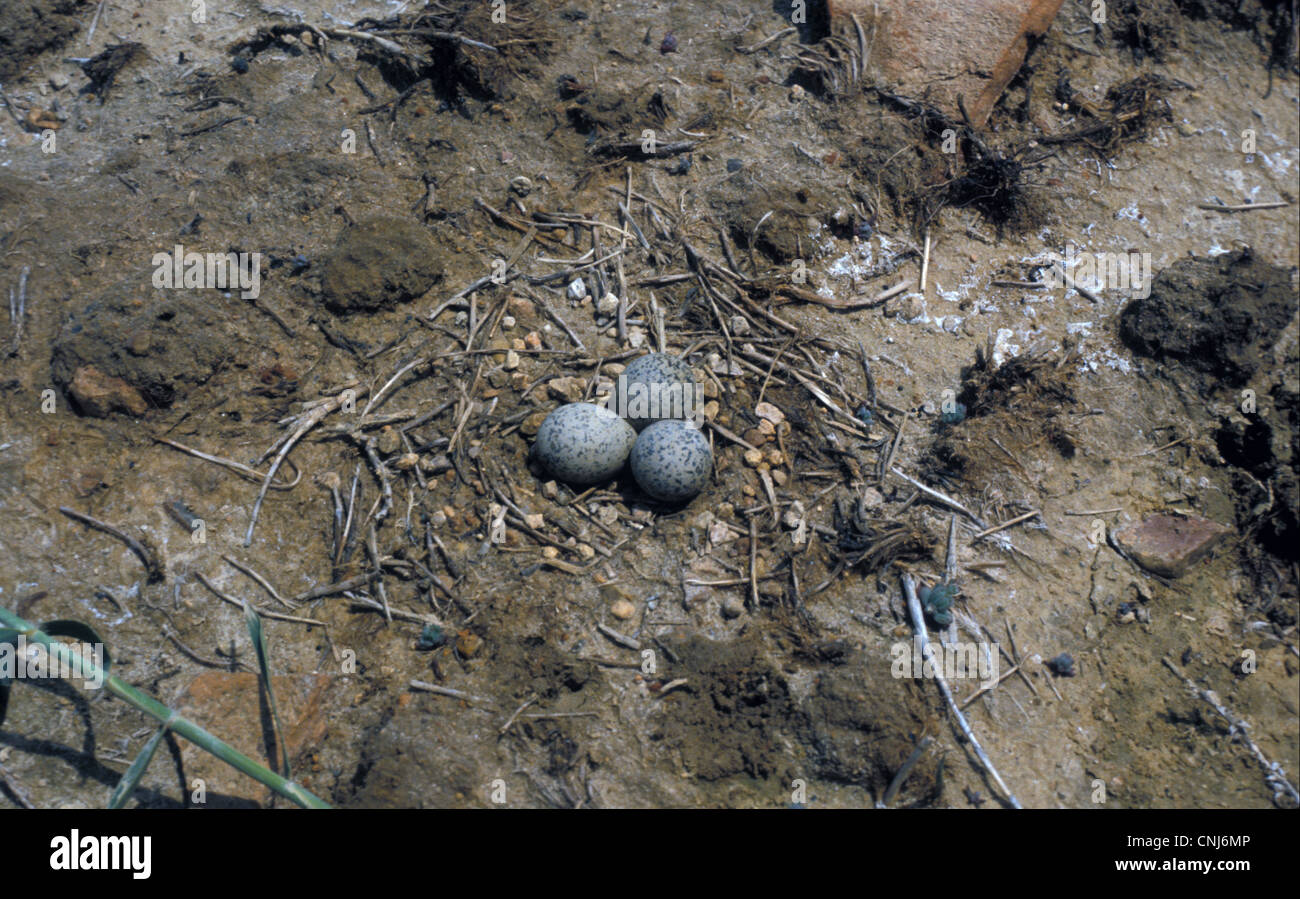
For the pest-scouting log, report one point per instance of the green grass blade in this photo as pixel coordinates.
(126, 786)
(182, 727)
(9, 651)
(254, 622)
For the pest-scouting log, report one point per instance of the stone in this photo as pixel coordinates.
(98, 394)
(622, 609)
(469, 644)
(388, 440)
(732, 607)
(770, 413)
(521, 307)
(945, 49)
(530, 425)
(378, 263)
(567, 388)
(1169, 544)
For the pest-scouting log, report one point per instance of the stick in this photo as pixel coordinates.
(982, 690)
(1006, 524)
(341, 587)
(620, 639)
(927, 652)
(936, 495)
(1069, 281)
(308, 421)
(896, 784)
(950, 561)
(893, 450)
(925, 261)
(239, 468)
(1243, 207)
(265, 613)
(151, 564)
(1274, 774)
(90, 35)
(754, 48)
(448, 691)
(260, 580)
(19, 311)
(511, 720)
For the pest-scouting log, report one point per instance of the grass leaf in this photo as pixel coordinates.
(264, 667)
(82, 633)
(126, 786)
(8, 637)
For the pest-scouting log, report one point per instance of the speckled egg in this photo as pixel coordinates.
(654, 387)
(671, 460)
(583, 444)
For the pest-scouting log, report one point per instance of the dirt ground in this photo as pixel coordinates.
(382, 170)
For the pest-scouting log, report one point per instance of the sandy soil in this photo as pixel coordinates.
(376, 191)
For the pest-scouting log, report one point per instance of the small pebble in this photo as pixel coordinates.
(769, 412)
(622, 610)
(732, 607)
(1062, 665)
(468, 644)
